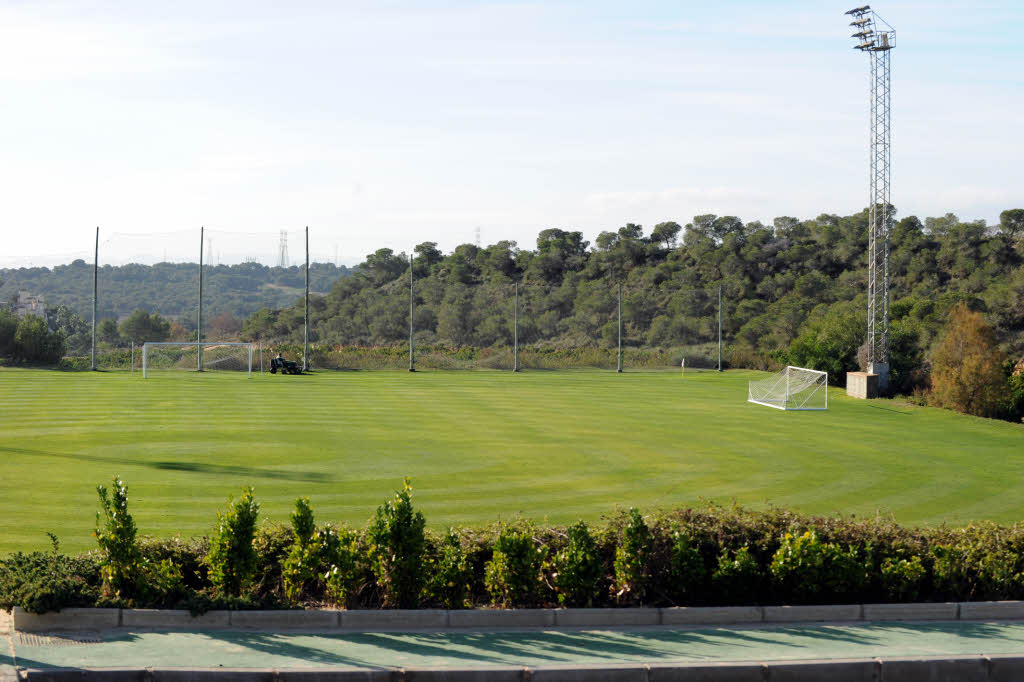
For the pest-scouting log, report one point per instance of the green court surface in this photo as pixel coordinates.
(527, 648)
(478, 446)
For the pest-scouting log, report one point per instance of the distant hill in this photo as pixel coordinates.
(170, 288)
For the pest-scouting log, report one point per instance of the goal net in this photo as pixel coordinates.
(794, 388)
(208, 356)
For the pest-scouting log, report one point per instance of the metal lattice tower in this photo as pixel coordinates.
(282, 259)
(877, 38)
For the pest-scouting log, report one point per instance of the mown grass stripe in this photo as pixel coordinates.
(479, 446)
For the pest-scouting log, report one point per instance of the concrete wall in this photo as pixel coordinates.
(1008, 668)
(319, 620)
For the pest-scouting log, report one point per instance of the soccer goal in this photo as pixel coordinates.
(794, 388)
(205, 356)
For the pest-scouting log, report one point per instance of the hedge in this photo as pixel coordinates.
(707, 556)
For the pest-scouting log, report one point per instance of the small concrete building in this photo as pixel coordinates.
(29, 304)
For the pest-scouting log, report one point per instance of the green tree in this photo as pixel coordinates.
(141, 327)
(454, 319)
(8, 328)
(107, 331)
(1011, 222)
(34, 342)
(70, 325)
(383, 266)
(666, 233)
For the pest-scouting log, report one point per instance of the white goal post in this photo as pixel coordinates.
(794, 388)
(197, 355)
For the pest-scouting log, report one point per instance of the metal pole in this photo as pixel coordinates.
(261, 358)
(719, 327)
(199, 316)
(619, 368)
(145, 352)
(305, 341)
(95, 289)
(412, 311)
(250, 361)
(132, 360)
(515, 334)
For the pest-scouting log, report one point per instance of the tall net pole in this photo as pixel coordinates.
(199, 313)
(95, 292)
(719, 327)
(305, 340)
(412, 327)
(515, 333)
(877, 38)
(619, 362)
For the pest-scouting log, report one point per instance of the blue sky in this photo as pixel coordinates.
(391, 123)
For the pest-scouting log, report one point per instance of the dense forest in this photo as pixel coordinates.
(793, 291)
(168, 288)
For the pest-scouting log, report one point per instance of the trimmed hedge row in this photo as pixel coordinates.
(709, 556)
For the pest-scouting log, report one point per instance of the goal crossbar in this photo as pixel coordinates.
(198, 345)
(794, 388)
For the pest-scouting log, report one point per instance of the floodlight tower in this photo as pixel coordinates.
(877, 38)
(282, 256)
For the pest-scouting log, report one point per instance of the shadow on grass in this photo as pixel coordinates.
(888, 409)
(188, 467)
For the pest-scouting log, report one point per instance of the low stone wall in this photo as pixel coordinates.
(1005, 668)
(317, 620)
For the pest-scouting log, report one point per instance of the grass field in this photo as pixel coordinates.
(479, 446)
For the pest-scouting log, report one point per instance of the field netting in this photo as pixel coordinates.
(530, 326)
(216, 357)
(148, 286)
(253, 287)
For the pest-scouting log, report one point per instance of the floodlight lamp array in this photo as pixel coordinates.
(871, 37)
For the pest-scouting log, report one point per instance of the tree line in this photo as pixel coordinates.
(170, 289)
(793, 291)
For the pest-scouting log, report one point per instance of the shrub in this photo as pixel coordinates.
(41, 582)
(121, 562)
(577, 567)
(232, 559)
(950, 571)
(449, 574)
(189, 556)
(513, 575)
(688, 573)
(303, 562)
(271, 543)
(806, 569)
(902, 577)
(339, 555)
(738, 579)
(397, 545)
(631, 559)
(163, 584)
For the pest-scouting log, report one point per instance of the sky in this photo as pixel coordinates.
(386, 124)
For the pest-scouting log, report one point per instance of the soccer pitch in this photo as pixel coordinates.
(479, 446)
